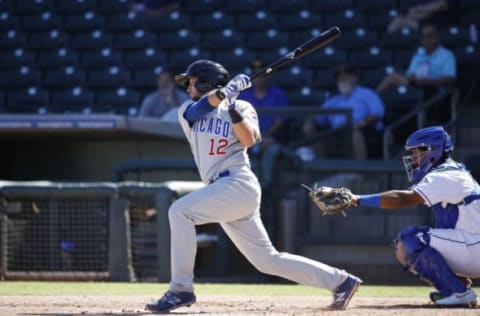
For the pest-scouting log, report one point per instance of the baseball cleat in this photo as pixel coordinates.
(468, 299)
(344, 293)
(170, 301)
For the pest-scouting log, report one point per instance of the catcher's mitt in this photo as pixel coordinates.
(329, 200)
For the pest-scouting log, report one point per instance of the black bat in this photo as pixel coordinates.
(302, 50)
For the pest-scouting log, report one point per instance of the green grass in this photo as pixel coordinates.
(116, 288)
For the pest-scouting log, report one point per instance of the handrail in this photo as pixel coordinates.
(416, 111)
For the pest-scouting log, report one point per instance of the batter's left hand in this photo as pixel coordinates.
(239, 83)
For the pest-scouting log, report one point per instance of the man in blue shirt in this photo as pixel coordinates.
(367, 113)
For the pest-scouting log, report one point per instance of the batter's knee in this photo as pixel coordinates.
(175, 211)
(409, 243)
(266, 263)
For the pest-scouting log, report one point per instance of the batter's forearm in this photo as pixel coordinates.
(245, 133)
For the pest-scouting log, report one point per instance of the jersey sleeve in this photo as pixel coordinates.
(182, 120)
(442, 186)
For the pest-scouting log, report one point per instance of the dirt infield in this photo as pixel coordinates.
(221, 305)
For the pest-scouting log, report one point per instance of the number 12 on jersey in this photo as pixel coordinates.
(217, 146)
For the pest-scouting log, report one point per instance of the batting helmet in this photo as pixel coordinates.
(210, 75)
(435, 143)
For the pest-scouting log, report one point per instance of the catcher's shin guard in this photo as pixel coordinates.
(414, 253)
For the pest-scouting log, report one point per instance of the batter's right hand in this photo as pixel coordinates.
(239, 83)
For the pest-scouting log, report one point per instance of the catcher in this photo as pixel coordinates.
(448, 254)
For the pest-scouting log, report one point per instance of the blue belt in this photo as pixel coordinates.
(469, 199)
(222, 174)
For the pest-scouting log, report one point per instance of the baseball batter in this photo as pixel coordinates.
(219, 129)
(448, 254)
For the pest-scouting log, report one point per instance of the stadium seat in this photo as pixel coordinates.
(180, 39)
(23, 76)
(455, 37)
(222, 39)
(235, 58)
(134, 40)
(65, 77)
(323, 7)
(368, 7)
(44, 21)
(325, 79)
(110, 77)
(104, 57)
(402, 57)
(15, 57)
(302, 20)
(298, 37)
(347, 19)
(57, 58)
(124, 22)
(292, 77)
(256, 21)
(110, 7)
(305, 96)
(268, 39)
(468, 56)
(74, 6)
(357, 39)
(370, 57)
(181, 59)
(119, 100)
(32, 99)
(144, 58)
(201, 6)
(214, 21)
(244, 7)
(48, 40)
(172, 22)
(287, 6)
(84, 21)
(96, 39)
(378, 21)
(326, 57)
(145, 79)
(6, 5)
(26, 7)
(73, 100)
(8, 21)
(11, 39)
(270, 55)
(404, 97)
(402, 39)
(467, 5)
(371, 77)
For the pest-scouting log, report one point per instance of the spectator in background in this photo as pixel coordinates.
(432, 66)
(422, 12)
(367, 114)
(164, 102)
(154, 7)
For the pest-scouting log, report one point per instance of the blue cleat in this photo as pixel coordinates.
(344, 293)
(170, 301)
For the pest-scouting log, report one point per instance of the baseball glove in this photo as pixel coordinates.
(329, 200)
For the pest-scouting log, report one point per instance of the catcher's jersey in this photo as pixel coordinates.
(453, 195)
(214, 145)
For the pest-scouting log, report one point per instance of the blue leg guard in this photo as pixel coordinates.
(414, 253)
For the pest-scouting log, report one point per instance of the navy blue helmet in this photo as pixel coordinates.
(435, 144)
(210, 75)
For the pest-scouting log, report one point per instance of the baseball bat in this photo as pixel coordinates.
(304, 49)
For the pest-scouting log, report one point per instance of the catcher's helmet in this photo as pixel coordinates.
(210, 75)
(435, 143)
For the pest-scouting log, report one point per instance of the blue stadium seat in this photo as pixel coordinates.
(305, 96)
(48, 40)
(57, 58)
(25, 7)
(124, 22)
(270, 55)
(287, 6)
(402, 39)
(32, 99)
(8, 21)
(256, 21)
(84, 21)
(357, 39)
(370, 57)
(109, 7)
(347, 19)
(326, 57)
(292, 77)
(74, 6)
(65, 77)
(456, 36)
(371, 77)
(72, 100)
(234, 58)
(323, 7)
(144, 58)
(11, 39)
(145, 79)
(402, 97)
(180, 39)
(6, 5)
(201, 6)
(369, 7)
(268, 39)
(211, 21)
(302, 20)
(101, 58)
(468, 5)
(325, 79)
(44, 21)
(181, 59)
(15, 57)
(468, 56)
(172, 22)
(110, 77)
(244, 7)
(222, 39)
(402, 57)
(23, 76)
(134, 40)
(95, 39)
(378, 21)
(119, 100)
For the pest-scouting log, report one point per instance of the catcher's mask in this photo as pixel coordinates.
(430, 146)
(210, 75)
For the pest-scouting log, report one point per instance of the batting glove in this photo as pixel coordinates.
(235, 86)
